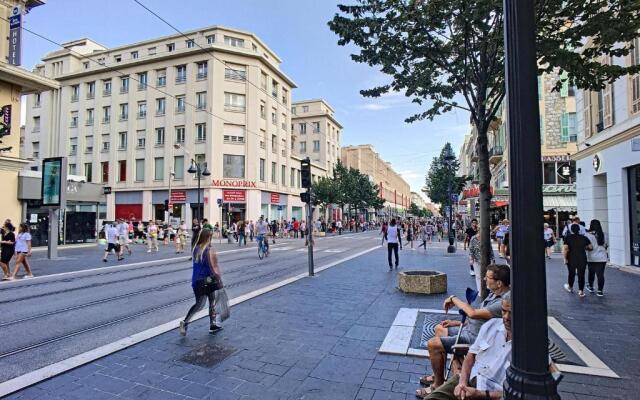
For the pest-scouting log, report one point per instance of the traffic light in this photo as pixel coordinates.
(305, 172)
(166, 205)
(305, 197)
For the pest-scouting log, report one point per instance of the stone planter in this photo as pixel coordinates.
(425, 282)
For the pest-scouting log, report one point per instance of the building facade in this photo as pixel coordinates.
(316, 133)
(608, 161)
(393, 189)
(136, 117)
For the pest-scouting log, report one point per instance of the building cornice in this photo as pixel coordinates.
(28, 81)
(608, 142)
(316, 115)
(12, 164)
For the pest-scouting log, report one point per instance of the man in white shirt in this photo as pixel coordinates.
(111, 232)
(393, 241)
(574, 221)
(261, 231)
(123, 237)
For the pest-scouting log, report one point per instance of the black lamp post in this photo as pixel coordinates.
(200, 169)
(528, 376)
(449, 159)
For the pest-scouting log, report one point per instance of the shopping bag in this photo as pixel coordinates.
(222, 304)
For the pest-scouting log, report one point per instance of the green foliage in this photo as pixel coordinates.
(348, 186)
(440, 175)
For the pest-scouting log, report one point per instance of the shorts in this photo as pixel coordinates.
(549, 243)
(122, 240)
(448, 341)
(113, 246)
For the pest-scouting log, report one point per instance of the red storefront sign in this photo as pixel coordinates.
(275, 198)
(474, 192)
(234, 195)
(178, 196)
(230, 183)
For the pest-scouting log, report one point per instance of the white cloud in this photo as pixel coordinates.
(374, 106)
(411, 174)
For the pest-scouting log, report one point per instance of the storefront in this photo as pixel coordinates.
(559, 205)
(634, 213)
(274, 205)
(80, 220)
(234, 205)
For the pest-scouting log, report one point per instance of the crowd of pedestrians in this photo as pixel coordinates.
(18, 245)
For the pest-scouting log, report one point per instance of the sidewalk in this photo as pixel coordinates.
(318, 338)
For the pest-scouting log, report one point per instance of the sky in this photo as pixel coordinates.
(297, 31)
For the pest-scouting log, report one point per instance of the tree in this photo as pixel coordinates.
(440, 175)
(448, 54)
(324, 192)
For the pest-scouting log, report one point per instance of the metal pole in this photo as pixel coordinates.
(52, 248)
(451, 248)
(170, 207)
(198, 210)
(528, 376)
(310, 237)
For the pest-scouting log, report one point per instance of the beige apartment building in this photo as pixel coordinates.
(15, 81)
(395, 190)
(316, 132)
(135, 117)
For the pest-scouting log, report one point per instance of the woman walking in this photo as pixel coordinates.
(7, 245)
(549, 239)
(575, 258)
(597, 257)
(410, 234)
(181, 237)
(152, 236)
(205, 280)
(23, 250)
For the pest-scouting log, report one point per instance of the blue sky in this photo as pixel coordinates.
(297, 31)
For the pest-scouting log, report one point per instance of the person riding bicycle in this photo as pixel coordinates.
(261, 230)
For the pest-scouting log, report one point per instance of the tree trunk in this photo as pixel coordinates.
(485, 202)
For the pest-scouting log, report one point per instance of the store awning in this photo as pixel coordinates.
(560, 203)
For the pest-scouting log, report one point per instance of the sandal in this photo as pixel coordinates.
(426, 380)
(424, 392)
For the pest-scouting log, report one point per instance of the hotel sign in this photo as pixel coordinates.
(233, 183)
(15, 33)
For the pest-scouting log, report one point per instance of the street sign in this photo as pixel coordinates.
(106, 190)
(279, 208)
(219, 201)
(454, 197)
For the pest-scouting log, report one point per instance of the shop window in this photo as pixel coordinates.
(233, 166)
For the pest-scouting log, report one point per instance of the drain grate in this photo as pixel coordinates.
(208, 355)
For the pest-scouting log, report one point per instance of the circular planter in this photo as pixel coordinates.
(424, 282)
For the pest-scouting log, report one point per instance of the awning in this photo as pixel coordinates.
(559, 203)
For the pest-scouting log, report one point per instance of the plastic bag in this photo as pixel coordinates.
(222, 304)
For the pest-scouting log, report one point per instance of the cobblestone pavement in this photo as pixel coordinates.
(318, 339)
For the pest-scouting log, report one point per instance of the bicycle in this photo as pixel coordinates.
(263, 250)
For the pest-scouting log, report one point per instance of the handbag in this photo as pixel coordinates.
(222, 304)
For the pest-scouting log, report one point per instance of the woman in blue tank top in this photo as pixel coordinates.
(205, 280)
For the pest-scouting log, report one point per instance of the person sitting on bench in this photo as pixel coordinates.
(498, 279)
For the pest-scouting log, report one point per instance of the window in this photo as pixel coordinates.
(234, 102)
(161, 106)
(316, 127)
(180, 103)
(91, 90)
(142, 81)
(303, 128)
(262, 166)
(274, 177)
(72, 169)
(283, 147)
(211, 39)
(139, 170)
(122, 140)
(568, 131)
(203, 69)
(124, 112)
(181, 73)
(549, 173)
(178, 167)
(180, 134)
(35, 149)
(201, 100)
(162, 77)
(232, 41)
(235, 73)
(607, 98)
(190, 44)
(263, 111)
(292, 177)
(89, 117)
(274, 118)
(124, 84)
(299, 180)
(263, 81)
(106, 143)
(122, 170)
(303, 147)
(232, 166)
(36, 100)
(159, 136)
(151, 51)
(316, 146)
(171, 47)
(293, 110)
(158, 170)
(283, 122)
(117, 58)
(73, 146)
(85, 64)
(36, 124)
(88, 144)
(104, 171)
(134, 55)
(305, 109)
(274, 88)
(106, 114)
(274, 143)
(142, 109)
(106, 89)
(88, 171)
(200, 159)
(201, 132)
(285, 96)
(233, 134)
(283, 175)
(635, 80)
(141, 136)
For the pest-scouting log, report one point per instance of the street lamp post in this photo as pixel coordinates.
(200, 169)
(528, 376)
(449, 158)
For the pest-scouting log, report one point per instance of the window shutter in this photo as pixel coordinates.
(586, 96)
(564, 127)
(564, 90)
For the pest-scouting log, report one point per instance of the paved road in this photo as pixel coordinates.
(50, 319)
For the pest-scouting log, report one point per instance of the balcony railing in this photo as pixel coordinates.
(106, 120)
(233, 107)
(106, 92)
(201, 76)
(89, 122)
(142, 114)
(181, 79)
(495, 154)
(74, 124)
(74, 97)
(91, 95)
(142, 86)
